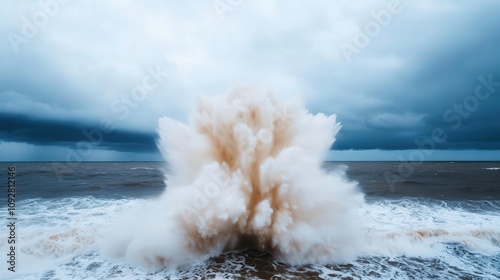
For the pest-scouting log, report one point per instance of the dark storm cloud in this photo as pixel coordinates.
(24, 129)
(441, 62)
(407, 82)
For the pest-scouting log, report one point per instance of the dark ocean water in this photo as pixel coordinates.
(437, 180)
(60, 219)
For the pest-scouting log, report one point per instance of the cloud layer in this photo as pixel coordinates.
(393, 71)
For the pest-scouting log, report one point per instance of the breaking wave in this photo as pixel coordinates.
(246, 173)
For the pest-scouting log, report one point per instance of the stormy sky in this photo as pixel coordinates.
(88, 80)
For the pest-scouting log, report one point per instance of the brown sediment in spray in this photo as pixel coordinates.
(225, 150)
(275, 196)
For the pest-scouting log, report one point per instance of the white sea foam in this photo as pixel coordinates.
(50, 232)
(493, 168)
(411, 234)
(142, 168)
(412, 228)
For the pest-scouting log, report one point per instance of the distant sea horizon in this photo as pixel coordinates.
(45, 161)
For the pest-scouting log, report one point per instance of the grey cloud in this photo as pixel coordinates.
(24, 129)
(392, 93)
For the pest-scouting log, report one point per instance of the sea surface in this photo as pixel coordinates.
(441, 221)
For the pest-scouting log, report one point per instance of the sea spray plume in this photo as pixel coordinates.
(246, 172)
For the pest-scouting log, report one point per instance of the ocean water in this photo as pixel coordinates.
(442, 222)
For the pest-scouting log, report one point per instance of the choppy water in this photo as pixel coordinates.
(441, 222)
